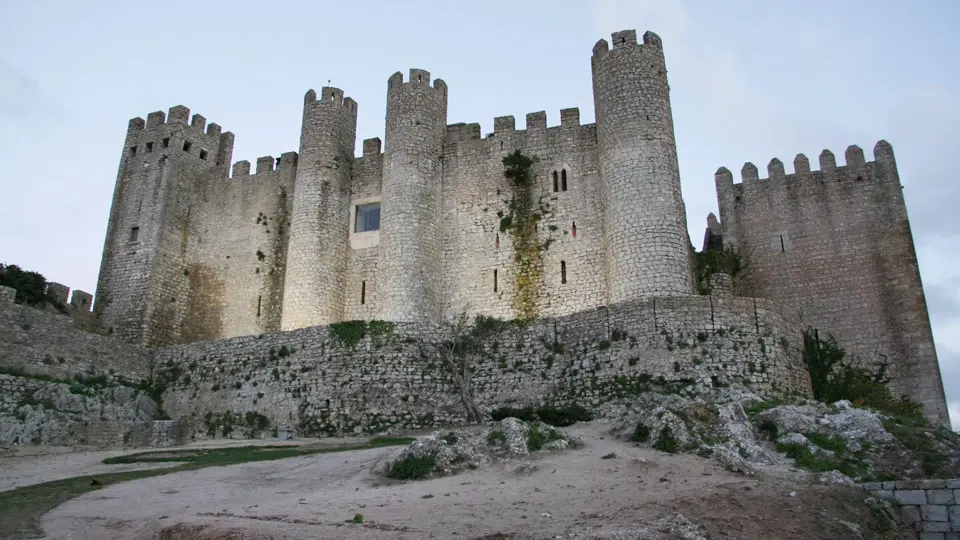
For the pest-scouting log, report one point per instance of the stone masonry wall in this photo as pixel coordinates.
(644, 219)
(40, 342)
(930, 507)
(328, 380)
(835, 245)
(570, 229)
(238, 243)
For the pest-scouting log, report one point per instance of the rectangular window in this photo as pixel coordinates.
(368, 218)
(363, 291)
(134, 234)
(495, 281)
(149, 147)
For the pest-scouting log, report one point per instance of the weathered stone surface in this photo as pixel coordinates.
(35, 411)
(909, 496)
(456, 450)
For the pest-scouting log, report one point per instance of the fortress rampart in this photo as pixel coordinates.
(326, 380)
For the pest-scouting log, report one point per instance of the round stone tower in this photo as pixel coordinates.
(319, 224)
(411, 250)
(646, 242)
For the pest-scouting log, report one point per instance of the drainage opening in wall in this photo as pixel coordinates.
(363, 292)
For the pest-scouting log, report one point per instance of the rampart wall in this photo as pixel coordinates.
(322, 380)
(835, 244)
(41, 342)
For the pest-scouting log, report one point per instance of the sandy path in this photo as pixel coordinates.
(313, 496)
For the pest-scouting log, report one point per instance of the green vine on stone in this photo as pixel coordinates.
(709, 262)
(522, 222)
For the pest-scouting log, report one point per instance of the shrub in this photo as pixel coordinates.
(641, 433)
(834, 378)
(412, 467)
(496, 438)
(666, 441)
(554, 416)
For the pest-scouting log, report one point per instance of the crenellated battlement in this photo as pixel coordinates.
(178, 114)
(626, 40)
(537, 120)
(418, 78)
(462, 132)
(856, 169)
(80, 301)
(331, 95)
(264, 164)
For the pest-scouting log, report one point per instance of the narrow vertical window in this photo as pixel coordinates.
(259, 303)
(573, 229)
(495, 280)
(563, 271)
(556, 182)
(134, 234)
(497, 243)
(363, 292)
(563, 180)
(782, 247)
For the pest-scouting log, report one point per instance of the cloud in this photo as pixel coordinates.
(24, 109)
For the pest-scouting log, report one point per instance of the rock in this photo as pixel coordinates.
(454, 450)
(834, 477)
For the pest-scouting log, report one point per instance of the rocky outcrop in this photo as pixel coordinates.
(36, 411)
(839, 442)
(444, 453)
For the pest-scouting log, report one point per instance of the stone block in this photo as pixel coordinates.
(952, 536)
(933, 484)
(936, 526)
(872, 486)
(934, 512)
(909, 484)
(940, 496)
(908, 496)
(910, 514)
(953, 483)
(932, 536)
(889, 485)
(883, 494)
(955, 514)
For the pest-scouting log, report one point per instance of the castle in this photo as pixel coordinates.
(420, 230)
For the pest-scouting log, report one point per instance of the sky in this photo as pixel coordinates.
(750, 80)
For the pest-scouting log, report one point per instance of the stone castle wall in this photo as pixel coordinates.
(320, 381)
(930, 507)
(329, 379)
(40, 342)
(835, 245)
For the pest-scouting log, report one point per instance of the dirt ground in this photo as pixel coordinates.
(569, 494)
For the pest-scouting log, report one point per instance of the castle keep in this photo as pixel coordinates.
(418, 229)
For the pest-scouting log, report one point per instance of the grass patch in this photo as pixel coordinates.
(23, 507)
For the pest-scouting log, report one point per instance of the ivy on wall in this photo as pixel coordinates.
(521, 222)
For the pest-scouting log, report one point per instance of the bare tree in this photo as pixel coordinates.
(454, 353)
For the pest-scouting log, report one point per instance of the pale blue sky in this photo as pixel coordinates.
(750, 80)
